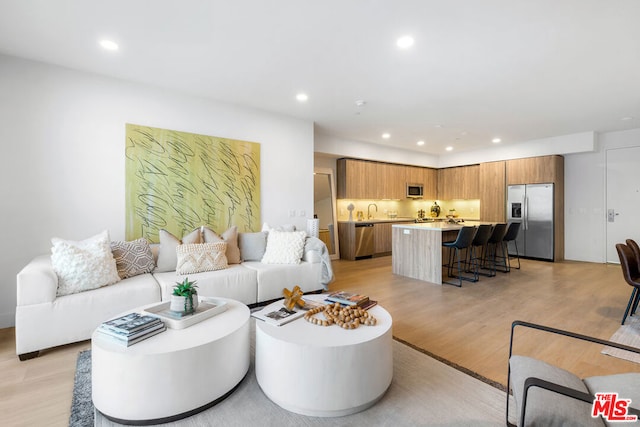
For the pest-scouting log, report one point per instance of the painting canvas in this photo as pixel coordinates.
(178, 181)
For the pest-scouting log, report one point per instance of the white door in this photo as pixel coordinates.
(623, 198)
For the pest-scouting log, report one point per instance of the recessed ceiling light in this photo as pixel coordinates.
(437, 126)
(386, 135)
(421, 142)
(109, 44)
(302, 97)
(405, 42)
(496, 140)
(626, 118)
(449, 148)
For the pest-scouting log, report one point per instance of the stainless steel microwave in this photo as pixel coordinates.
(415, 191)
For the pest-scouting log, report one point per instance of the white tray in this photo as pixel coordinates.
(207, 307)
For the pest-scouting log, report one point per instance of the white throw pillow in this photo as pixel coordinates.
(284, 247)
(196, 258)
(83, 265)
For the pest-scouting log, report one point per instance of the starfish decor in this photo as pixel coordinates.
(293, 297)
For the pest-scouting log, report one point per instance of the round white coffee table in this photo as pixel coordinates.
(174, 374)
(324, 371)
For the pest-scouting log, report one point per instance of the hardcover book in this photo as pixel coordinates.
(130, 323)
(347, 298)
(129, 342)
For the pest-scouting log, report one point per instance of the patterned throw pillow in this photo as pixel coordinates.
(133, 258)
(284, 247)
(230, 236)
(83, 265)
(196, 258)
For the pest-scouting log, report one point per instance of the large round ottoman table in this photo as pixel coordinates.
(174, 374)
(324, 371)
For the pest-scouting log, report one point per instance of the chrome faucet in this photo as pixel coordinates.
(369, 212)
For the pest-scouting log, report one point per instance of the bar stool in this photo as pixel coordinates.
(463, 241)
(477, 246)
(510, 236)
(491, 248)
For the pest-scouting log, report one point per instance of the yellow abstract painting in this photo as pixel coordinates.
(178, 181)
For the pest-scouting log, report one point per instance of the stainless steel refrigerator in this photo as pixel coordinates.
(532, 206)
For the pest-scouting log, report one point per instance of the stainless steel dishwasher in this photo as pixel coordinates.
(364, 240)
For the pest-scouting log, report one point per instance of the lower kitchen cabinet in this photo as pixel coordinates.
(382, 238)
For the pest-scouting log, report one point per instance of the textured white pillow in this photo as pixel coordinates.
(199, 257)
(284, 247)
(83, 265)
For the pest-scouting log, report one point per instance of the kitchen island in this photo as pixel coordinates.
(417, 248)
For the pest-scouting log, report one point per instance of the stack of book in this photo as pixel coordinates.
(132, 328)
(348, 298)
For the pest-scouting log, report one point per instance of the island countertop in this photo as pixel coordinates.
(417, 248)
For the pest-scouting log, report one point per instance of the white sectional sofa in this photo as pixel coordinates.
(45, 319)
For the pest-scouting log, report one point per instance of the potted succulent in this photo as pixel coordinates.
(185, 297)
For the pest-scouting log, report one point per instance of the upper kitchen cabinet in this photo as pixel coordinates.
(426, 176)
(492, 191)
(459, 183)
(390, 182)
(535, 170)
(351, 178)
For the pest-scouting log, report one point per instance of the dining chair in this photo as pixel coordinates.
(631, 274)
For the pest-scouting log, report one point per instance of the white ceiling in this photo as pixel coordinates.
(515, 69)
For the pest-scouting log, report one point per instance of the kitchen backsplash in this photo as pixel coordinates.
(467, 209)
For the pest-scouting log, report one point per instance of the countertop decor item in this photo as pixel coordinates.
(350, 208)
(435, 210)
(182, 298)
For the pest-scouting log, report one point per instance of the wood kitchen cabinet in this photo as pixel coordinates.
(458, 182)
(361, 179)
(492, 189)
(426, 176)
(535, 170)
(382, 238)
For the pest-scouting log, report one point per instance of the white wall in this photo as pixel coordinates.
(62, 163)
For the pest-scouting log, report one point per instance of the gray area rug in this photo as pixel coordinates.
(424, 392)
(627, 334)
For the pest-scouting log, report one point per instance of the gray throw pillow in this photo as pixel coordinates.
(133, 258)
(252, 245)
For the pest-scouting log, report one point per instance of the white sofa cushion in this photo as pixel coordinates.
(83, 265)
(235, 282)
(273, 278)
(74, 317)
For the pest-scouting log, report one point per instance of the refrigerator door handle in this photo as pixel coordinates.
(525, 219)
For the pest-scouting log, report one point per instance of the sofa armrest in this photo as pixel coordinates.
(37, 282)
(312, 256)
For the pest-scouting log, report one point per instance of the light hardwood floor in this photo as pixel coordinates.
(468, 326)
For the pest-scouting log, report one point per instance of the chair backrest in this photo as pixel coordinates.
(482, 235)
(629, 264)
(635, 248)
(512, 232)
(498, 233)
(465, 237)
